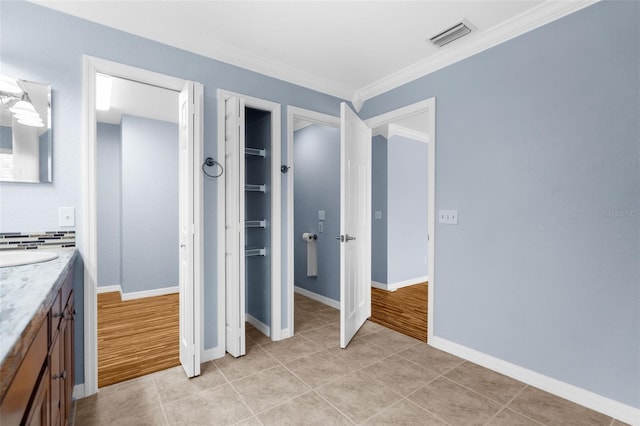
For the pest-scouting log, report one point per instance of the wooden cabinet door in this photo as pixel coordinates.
(68, 349)
(39, 411)
(56, 373)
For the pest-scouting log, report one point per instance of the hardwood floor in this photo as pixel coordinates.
(403, 310)
(136, 337)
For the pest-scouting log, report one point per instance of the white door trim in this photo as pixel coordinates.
(88, 228)
(316, 118)
(428, 105)
(276, 213)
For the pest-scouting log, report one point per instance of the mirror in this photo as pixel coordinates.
(25, 131)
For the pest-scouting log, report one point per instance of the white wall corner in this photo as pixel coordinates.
(357, 101)
(395, 130)
(604, 405)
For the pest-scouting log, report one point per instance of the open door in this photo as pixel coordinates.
(234, 226)
(355, 224)
(189, 300)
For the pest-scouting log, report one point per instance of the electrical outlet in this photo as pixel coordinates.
(448, 217)
(320, 214)
(378, 214)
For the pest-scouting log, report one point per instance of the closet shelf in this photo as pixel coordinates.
(255, 188)
(255, 151)
(255, 223)
(255, 252)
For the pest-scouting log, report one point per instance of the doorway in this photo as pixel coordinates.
(137, 229)
(416, 122)
(187, 247)
(249, 247)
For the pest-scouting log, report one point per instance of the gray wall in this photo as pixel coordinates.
(108, 201)
(29, 51)
(537, 148)
(379, 203)
(407, 209)
(149, 204)
(316, 156)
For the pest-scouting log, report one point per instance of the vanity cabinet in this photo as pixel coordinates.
(41, 390)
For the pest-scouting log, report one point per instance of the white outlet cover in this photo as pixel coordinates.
(66, 216)
(378, 214)
(448, 217)
(320, 214)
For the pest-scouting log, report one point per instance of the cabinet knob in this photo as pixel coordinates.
(62, 375)
(59, 315)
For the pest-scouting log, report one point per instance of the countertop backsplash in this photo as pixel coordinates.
(37, 240)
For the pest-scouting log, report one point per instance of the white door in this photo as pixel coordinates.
(189, 306)
(355, 224)
(234, 226)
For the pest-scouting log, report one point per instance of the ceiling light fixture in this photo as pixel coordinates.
(104, 83)
(32, 122)
(453, 33)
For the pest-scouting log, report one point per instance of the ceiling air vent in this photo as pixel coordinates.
(451, 34)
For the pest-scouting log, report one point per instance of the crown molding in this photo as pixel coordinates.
(531, 19)
(405, 132)
(281, 71)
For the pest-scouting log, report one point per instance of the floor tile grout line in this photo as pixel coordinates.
(424, 408)
(240, 398)
(164, 413)
(319, 394)
(506, 407)
(502, 404)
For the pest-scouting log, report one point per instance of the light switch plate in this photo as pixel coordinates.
(378, 214)
(448, 217)
(66, 216)
(320, 227)
(320, 214)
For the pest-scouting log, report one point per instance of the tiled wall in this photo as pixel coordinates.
(36, 240)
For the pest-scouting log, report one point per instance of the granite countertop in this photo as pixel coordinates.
(26, 293)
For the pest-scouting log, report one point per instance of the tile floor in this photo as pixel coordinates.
(382, 378)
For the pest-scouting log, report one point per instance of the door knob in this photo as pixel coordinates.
(349, 237)
(183, 245)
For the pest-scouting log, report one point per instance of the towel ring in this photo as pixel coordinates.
(209, 162)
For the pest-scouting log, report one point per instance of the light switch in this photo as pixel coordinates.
(378, 214)
(66, 216)
(320, 214)
(320, 227)
(448, 217)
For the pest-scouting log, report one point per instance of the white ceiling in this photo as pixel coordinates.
(141, 100)
(350, 49)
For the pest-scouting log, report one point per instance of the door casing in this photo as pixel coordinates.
(276, 214)
(88, 242)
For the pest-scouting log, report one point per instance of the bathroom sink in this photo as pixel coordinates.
(24, 257)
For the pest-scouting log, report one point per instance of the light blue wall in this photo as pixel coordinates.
(258, 207)
(379, 203)
(538, 149)
(316, 156)
(109, 210)
(43, 45)
(407, 209)
(149, 204)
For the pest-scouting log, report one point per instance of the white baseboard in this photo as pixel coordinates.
(150, 293)
(615, 409)
(211, 354)
(286, 333)
(137, 294)
(399, 284)
(109, 289)
(78, 391)
(262, 327)
(317, 297)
